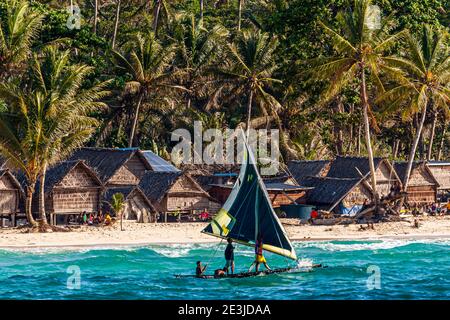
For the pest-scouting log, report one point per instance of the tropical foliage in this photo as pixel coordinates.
(330, 75)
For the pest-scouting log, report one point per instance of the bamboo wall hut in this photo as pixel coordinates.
(422, 186)
(136, 207)
(213, 174)
(71, 187)
(115, 167)
(10, 193)
(338, 195)
(357, 168)
(301, 169)
(441, 172)
(282, 190)
(176, 192)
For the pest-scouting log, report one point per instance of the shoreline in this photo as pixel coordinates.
(141, 235)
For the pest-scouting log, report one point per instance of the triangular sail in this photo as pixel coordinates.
(248, 211)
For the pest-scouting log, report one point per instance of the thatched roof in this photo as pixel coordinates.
(106, 161)
(328, 191)
(400, 168)
(307, 168)
(345, 167)
(127, 191)
(156, 184)
(57, 173)
(209, 169)
(6, 172)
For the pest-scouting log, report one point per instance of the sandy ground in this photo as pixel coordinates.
(141, 234)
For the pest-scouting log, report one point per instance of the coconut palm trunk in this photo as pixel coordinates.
(156, 12)
(42, 214)
(201, 9)
(240, 14)
(412, 153)
(249, 112)
(441, 145)
(116, 24)
(367, 135)
(29, 202)
(95, 15)
(135, 120)
(432, 134)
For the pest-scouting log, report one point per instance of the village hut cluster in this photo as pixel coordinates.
(156, 191)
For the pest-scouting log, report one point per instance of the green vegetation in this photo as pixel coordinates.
(314, 69)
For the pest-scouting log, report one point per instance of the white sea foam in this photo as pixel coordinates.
(371, 245)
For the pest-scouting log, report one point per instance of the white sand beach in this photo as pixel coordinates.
(136, 234)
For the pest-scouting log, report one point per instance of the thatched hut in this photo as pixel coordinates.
(441, 172)
(358, 168)
(422, 186)
(136, 207)
(71, 187)
(208, 175)
(301, 169)
(10, 192)
(115, 167)
(340, 195)
(282, 190)
(176, 192)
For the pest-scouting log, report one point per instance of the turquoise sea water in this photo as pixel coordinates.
(407, 270)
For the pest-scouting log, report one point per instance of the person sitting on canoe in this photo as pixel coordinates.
(259, 258)
(229, 256)
(220, 273)
(199, 270)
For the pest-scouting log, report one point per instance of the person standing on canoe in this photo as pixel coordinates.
(229, 256)
(259, 258)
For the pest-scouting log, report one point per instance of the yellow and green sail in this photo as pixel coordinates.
(248, 211)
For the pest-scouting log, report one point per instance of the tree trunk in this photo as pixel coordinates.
(358, 141)
(116, 24)
(201, 9)
(367, 134)
(249, 112)
(414, 149)
(156, 12)
(42, 215)
(395, 149)
(240, 15)
(433, 130)
(441, 145)
(95, 16)
(135, 121)
(28, 203)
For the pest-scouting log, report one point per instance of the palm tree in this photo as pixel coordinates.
(426, 89)
(53, 109)
(359, 52)
(198, 50)
(159, 6)
(149, 64)
(117, 204)
(240, 5)
(18, 28)
(248, 70)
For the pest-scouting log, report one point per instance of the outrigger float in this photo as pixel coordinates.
(248, 212)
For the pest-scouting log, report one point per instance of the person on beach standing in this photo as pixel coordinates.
(229, 256)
